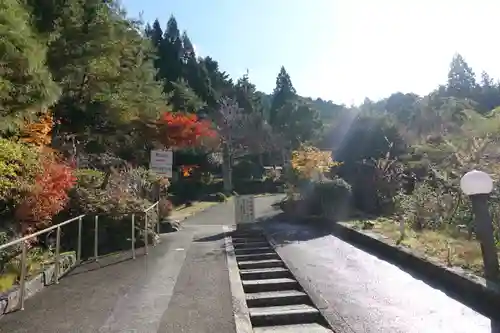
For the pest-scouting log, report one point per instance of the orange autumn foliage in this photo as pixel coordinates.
(39, 133)
(178, 130)
(187, 170)
(48, 196)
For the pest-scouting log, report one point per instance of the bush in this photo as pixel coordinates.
(113, 200)
(19, 165)
(89, 178)
(330, 198)
(220, 197)
(247, 170)
(165, 207)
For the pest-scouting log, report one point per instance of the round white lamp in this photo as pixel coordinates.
(476, 182)
(478, 185)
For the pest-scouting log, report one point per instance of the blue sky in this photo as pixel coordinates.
(342, 50)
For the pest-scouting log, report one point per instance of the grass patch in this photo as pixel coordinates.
(451, 249)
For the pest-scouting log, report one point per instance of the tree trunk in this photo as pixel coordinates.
(227, 170)
(261, 160)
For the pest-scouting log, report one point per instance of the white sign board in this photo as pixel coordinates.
(244, 209)
(161, 162)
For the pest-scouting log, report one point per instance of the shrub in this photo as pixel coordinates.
(122, 195)
(185, 190)
(429, 207)
(19, 165)
(330, 198)
(220, 197)
(165, 208)
(247, 170)
(48, 197)
(89, 178)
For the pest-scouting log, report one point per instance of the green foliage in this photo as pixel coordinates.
(124, 192)
(106, 73)
(220, 197)
(368, 137)
(25, 82)
(7, 281)
(247, 169)
(330, 198)
(18, 165)
(427, 207)
(89, 178)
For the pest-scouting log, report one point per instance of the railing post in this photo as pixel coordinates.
(58, 259)
(22, 289)
(158, 217)
(146, 232)
(96, 238)
(79, 246)
(133, 236)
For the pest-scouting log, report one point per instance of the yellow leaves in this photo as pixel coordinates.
(309, 160)
(39, 133)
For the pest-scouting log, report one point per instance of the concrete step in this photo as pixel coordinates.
(275, 298)
(245, 240)
(256, 286)
(250, 250)
(257, 256)
(265, 273)
(249, 245)
(301, 328)
(284, 315)
(253, 264)
(247, 233)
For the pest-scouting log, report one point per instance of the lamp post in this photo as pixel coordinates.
(478, 186)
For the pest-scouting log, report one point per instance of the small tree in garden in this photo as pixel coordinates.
(241, 134)
(39, 133)
(48, 196)
(324, 197)
(179, 130)
(309, 161)
(230, 121)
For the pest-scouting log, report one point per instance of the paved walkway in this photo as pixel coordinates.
(181, 286)
(363, 294)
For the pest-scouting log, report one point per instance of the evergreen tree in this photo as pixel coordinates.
(283, 94)
(26, 85)
(101, 62)
(188, 52)
(461, 78)
(246, 96)
(170, 53)
(183, 98)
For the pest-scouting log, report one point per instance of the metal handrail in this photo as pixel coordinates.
(24, 251)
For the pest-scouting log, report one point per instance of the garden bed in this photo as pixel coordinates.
(452, 249)
(36, 281)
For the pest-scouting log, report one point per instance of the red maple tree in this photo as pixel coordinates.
(179, 130)
(48, 196)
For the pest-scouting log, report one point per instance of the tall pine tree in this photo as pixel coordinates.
(26, 85)
(283, 95)
(461, 78)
